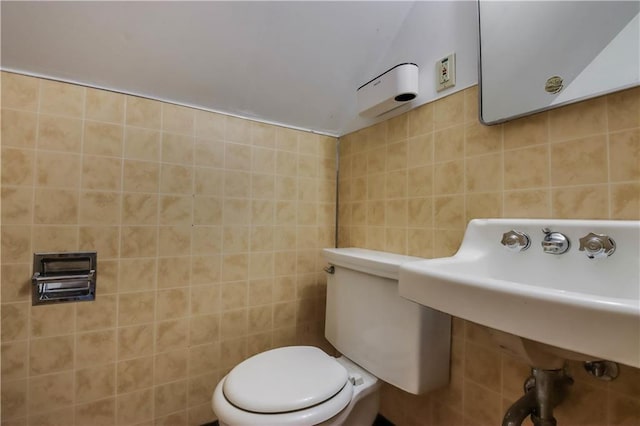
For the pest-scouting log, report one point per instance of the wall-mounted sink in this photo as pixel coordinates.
(570, 301)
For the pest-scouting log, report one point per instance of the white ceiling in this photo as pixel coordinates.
(291, 63)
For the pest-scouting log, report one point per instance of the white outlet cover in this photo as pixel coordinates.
(446, 65)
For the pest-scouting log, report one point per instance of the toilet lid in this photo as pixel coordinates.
(284, 379)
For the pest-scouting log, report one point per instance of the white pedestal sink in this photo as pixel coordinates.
(583, 305)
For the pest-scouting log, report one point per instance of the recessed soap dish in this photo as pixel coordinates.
(64, 277)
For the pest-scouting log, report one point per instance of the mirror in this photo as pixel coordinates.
(536, 55)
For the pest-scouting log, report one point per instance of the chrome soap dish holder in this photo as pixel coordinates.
(64, 277)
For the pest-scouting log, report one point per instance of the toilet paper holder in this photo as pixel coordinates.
(64, 277)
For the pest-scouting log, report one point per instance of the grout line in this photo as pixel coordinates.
(74, 308)
(549, 167)
(189, 287)
(154, 325)
(119, 257)
(252, 147)
(502, 173)
(31, 236)
(608, 159)
(431, 195)
(464, 166)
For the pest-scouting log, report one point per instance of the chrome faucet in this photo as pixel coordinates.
(515, 241)
(554, 242)
(597, 246)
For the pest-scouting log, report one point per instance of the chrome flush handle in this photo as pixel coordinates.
(554, 242)
(597, 246)
(515, 241)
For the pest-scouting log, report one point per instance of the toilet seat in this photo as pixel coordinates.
(285, 379)
(285, 386)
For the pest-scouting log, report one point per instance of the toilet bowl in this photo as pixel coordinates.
(381, 336)
(296, 385)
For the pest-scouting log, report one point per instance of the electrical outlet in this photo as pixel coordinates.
(446, 72)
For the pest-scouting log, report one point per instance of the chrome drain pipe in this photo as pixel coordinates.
(520, 410)
(544, 390)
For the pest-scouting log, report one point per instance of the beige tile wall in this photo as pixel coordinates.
(410, 184)
(208, 230)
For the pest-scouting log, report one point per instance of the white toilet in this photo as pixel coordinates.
(380, 334)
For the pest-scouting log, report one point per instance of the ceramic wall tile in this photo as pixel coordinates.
(20, 91)
(59, 133)
(178, 119)
(19, 128)
(102, 139)
(18, 166)
(95, 383)
(102, 105)
(51, 354)
(143, 112)
(578, 120)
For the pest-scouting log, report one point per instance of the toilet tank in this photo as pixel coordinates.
(397, 340)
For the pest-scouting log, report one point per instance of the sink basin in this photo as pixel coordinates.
(569, 301)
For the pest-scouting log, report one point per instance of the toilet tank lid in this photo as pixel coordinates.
(284, 379)
(369, 261)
